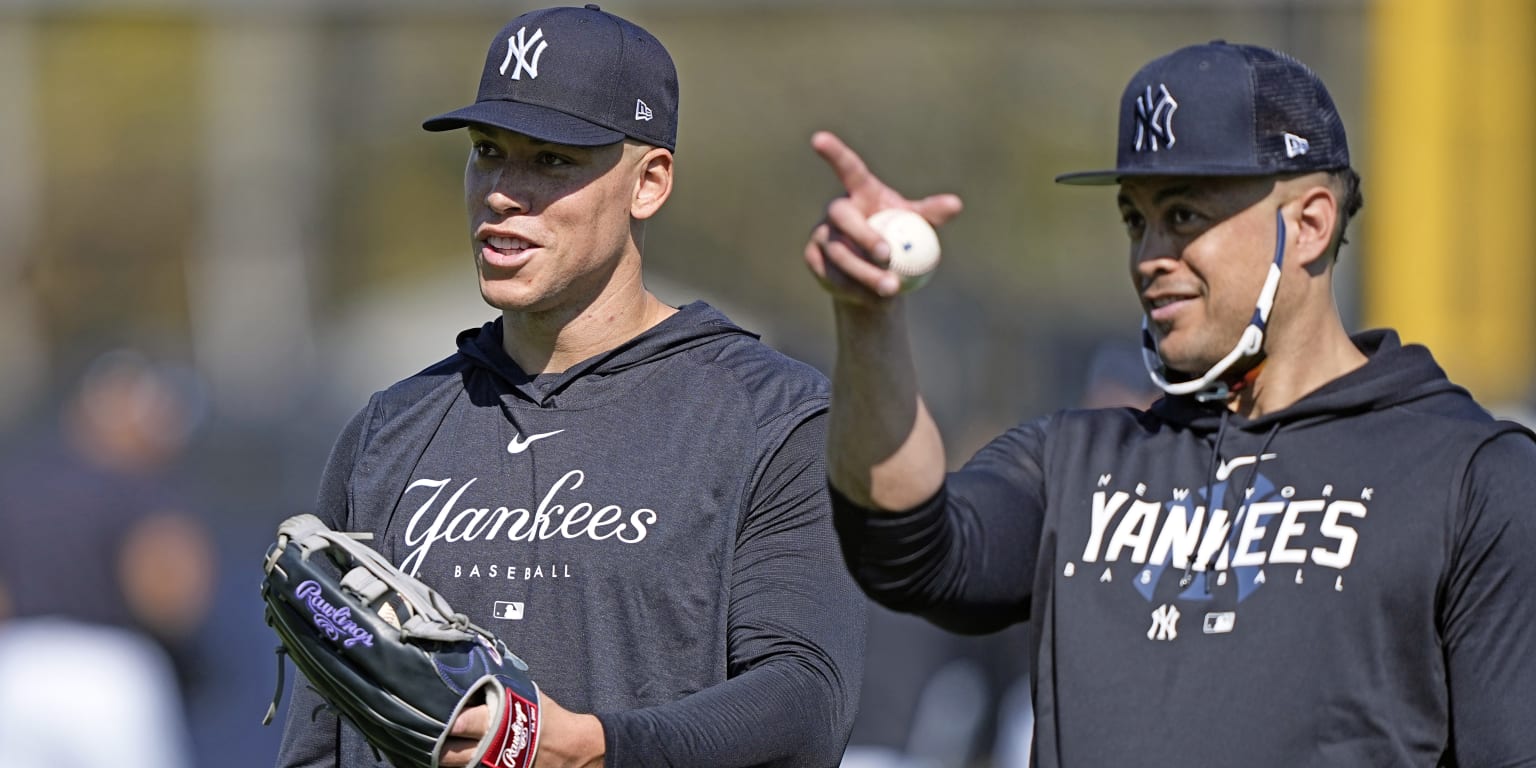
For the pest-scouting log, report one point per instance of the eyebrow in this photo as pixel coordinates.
(1162, 195)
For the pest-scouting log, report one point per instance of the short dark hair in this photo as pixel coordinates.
(1346, 181)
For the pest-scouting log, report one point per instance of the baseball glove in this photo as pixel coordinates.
(387, 653)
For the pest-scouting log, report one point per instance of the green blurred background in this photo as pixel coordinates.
(244, 184)
(243, 187)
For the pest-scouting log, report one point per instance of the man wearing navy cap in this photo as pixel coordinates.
(631, 495)
(1314, 549)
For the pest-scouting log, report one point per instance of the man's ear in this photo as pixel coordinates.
(653, 183)
(1317, 222)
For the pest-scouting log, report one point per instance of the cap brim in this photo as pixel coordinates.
(1090, 178)
(1115, 176)
(531, 120)
(1102, 178)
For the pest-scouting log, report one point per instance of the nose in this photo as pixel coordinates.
(505, 194)
(1154, 254)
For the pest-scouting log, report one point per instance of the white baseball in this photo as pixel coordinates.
(914, 245)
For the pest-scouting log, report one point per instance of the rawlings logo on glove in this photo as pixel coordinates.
(388, 654)
(333, 621)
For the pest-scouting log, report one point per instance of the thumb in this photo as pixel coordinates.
(938, 209)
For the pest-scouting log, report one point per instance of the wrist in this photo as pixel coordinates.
(865, 311)
(571, 740)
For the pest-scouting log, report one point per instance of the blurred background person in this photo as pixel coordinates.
(104, 578)
(1117, 378)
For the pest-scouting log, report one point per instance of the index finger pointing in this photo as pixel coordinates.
(846, 163)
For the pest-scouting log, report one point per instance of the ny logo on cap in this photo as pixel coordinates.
(517, 46)
(1154, 119)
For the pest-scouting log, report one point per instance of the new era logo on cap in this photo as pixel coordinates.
(1295, 146)
(577, 76)
(1241, 110)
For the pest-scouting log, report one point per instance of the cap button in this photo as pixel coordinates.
(592, 7)
(1218, 41)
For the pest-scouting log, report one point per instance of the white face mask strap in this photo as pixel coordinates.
(1209, 386)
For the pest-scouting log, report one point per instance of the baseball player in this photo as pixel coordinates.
(631, 495)
(1314, 549)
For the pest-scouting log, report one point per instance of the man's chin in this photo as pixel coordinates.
(506, 298)
(1184, 367)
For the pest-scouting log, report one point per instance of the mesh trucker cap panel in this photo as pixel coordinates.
(1290, 99)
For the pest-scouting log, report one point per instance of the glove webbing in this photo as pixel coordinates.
(431, 619)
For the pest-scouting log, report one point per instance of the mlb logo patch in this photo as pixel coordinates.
(1220, 623)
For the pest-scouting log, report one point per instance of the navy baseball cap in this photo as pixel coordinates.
(577, 76)
(1223, 109)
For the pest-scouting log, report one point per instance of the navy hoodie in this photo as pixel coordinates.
(648, 529)
(1345, 582)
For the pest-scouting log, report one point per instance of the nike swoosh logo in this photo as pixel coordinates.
(520, 444)
(1225, 470)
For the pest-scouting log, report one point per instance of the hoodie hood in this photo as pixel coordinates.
(693, 325)
(1394, 375)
